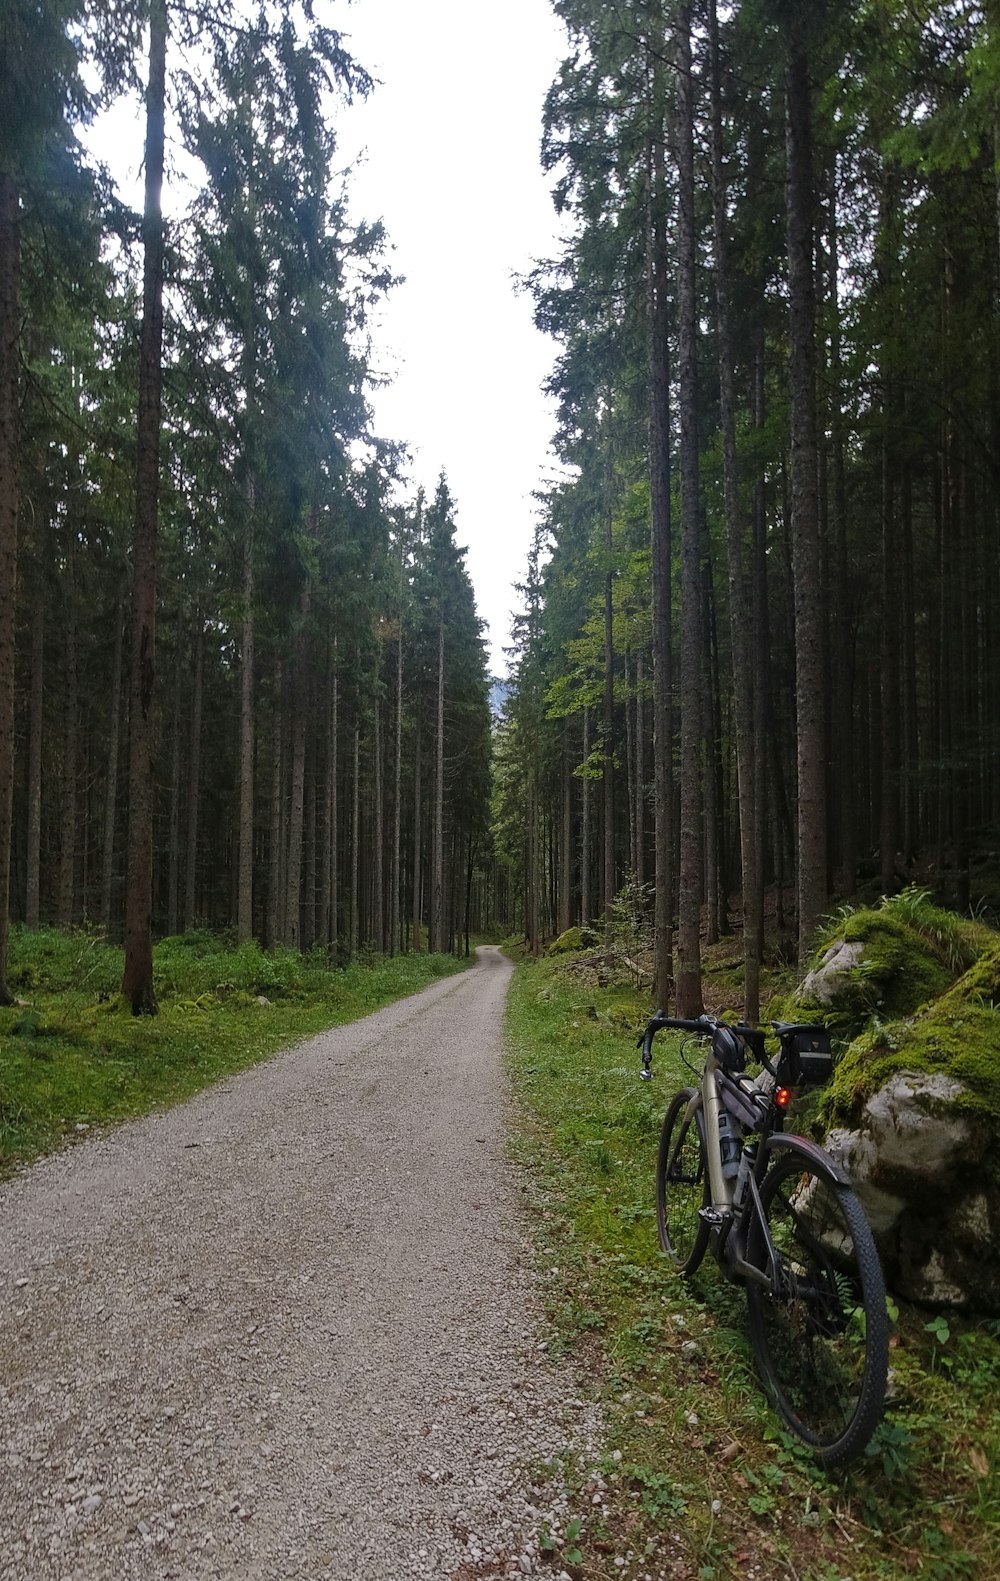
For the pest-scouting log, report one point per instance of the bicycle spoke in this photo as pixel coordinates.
(820, 1333)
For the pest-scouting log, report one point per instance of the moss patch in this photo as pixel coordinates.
(913, 953)
(958, 1034)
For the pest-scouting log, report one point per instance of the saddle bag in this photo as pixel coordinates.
(810, 1057)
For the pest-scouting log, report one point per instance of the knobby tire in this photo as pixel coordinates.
(822, 1336)
(682, 1184)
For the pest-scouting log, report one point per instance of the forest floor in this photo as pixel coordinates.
(699, 1483)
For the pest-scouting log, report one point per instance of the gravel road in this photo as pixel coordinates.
(286, 1331)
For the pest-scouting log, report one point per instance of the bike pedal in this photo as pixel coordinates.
(716, 1217)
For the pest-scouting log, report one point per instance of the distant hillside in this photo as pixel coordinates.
(499, 692)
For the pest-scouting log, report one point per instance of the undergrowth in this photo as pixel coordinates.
(73, 1057)
(699, 1481)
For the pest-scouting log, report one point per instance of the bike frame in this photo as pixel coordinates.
(729, 1232)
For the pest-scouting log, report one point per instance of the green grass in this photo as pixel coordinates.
(72, 1056)
(688, 1426)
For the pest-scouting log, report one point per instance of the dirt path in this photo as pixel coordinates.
(286, 1330)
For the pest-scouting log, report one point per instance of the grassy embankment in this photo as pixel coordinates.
(73, 1057)
(699, 1481)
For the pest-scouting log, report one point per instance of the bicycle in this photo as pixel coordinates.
(780, 1217)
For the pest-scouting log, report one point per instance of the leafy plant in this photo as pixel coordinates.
(631, 932)
(938, 1326)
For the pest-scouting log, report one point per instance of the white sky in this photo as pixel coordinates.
(451, 164)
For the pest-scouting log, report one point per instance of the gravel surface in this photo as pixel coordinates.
(287, 1330)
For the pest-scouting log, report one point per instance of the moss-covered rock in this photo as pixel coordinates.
(882, 963)
(958, 1034)
(911, 994)
(574, 939)
(914, 1107)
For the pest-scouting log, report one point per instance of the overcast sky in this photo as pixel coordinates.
(450, 142)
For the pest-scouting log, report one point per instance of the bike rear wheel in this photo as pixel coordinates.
(682, 1184)
(820, 1333)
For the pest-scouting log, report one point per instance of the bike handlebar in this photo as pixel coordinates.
(701, 1026)
(705, 1025)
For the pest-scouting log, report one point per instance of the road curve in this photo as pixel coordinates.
(284, 1331)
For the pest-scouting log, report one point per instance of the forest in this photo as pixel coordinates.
(758, 660)
(755, 666)
(241, 686)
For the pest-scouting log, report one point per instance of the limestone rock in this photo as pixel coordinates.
(821, 985)
(921, 1165)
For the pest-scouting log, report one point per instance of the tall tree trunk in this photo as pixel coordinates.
(566, 846)
(416, 839)
(32, 903)
(194, 774)
(275, 900)
(843, 665)
(174, 822)
(889, 625)
(437, 861)
(378, 836)
(10, 269)
(608, 723)
(658, 294)
(585, 825)
(532, 870)
(470, 868)
(355, 928)
(630, 762)
(810, 697)
(71, 751)
(137, 979)
(331, 774)
(640, 773)
(293, 883)
(740, 602)
(689, 996)
(760, 646)
(111, 772)
(244, 890)
(716, 918)
(889, 681)
(912, 824)
(309, 825)
(397, 819)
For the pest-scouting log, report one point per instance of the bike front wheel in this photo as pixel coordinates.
(819, 1327)
(682, 1184)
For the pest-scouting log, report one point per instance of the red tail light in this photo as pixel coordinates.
(782, 1097)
